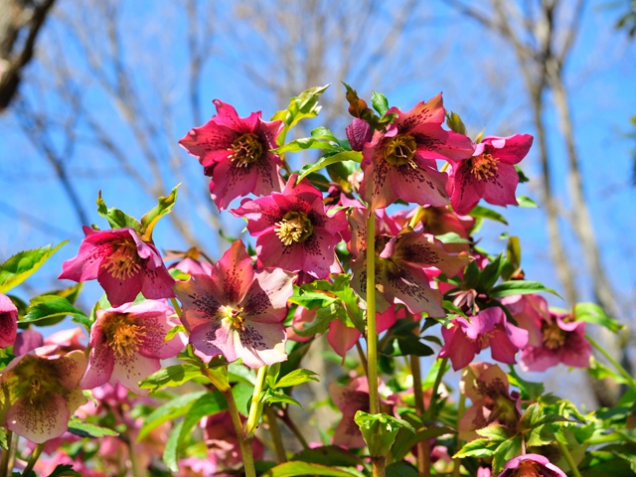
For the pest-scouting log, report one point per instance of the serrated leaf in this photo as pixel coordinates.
(307, 143)
(451, 237)
(22, 265)
(163, 207)
(171, 450)
(324, 316)
(170, 377)
(168, 412)
(311, 299)
(506, 451)
(273, 397)
(593, 313)
(84, 429)
(519, 287)
(115, 217)
(477, 448)
(379, 103)
(327, 161)
(494, 432)
(296, 377)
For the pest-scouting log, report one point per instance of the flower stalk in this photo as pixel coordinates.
(33, 459)
(257, 406)
(568, 457)
(4, 463)
(616, 364)
(274, 430)
(372, 335)
(423, 448)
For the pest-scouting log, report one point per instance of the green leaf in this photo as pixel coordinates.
(529, 391)
(327, 161)
(455, 123)
(527, 202)
(46, 307)
(593, 313)
(405, 441)
(297, 468)
(3, 439)
(379, 103)
(401, 469)
(171, 450)
(599, 371)
(324, 316)
(169, 412)
(379, 431)
(311, 299)
(486, 213)
(274, 397)
(306, 143)
(297, 377)
(531, 417)
(519, 287)
(84, 429)
(477, 448)
(513, 258)
(243, 396)
(116, 218)
(305, 105)
(522, 177)
(64, 470)
(150, 219)
(322, 132)
(171, 377)
(491, 273)
(506, 451)
(409, 345)
(174, 331)
(22, 265)
(451, 237)
(494, 432)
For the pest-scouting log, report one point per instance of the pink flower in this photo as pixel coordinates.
(401, 260)
(301, 316)
(489, 173)
(41, 394)
(488, 328)
(531, 465)
(189, 262)
(358, 133)
(562, 341)
(123, 264)
(400, 164)
(236, 152)
(236, 311)
(8, 321)
(293, 230)
(484, 472)
(220, 437)
(26, 341)
(128, 343)
(487, 387)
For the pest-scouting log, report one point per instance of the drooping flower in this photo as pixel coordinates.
(123, 264)
(8, 321)
(128, 343)
(190, 262)
(402, 258)
(293, 230)
(220, 437)
(236, 153)
(531, 465)
(237, 312)
(40, 393)
(529, 311)
(489, 173)
(489, 327)
(487, 387)
(400, 163)
(562, 341)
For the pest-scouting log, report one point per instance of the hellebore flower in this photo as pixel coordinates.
(487, 387)
(400, 164)
(293, 230)
(123, 264)
(489, 173)
(236, 311)
(220, 437)
(40, 394)
(128, 343)
(530, 311)
(401, 260)
(531, 465)
(488, 328)
(189, 262)
(358, 133)
(235, 151)
(8, 321)
(562, 341)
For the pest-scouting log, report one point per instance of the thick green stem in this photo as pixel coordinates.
(438, 381)
(257, 406)
(175, 305)
(423, 447)
(372, 334)
(4, 463)
(568, 457)
(274, 430)
(460, 414)
(616, 364)
(245, 443)
(33, 459)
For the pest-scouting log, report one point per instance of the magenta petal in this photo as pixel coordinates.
(458, 347)
(430, 112)
(40, 420)
(26, 341)
(8, 321)
(538, 359)
(101, 360)
(200, 298)
(500, 189)
(158, 283)
(155, 328)
(93, 249)
(266, 300)
(234, 273)
(341, 337)
(319, 253)
(209, 143)
(268, 179)
(510, 149)
(261, 214)
(120, 291)
(230, 182)
(466, 190)
(501, 346)
(272, 253)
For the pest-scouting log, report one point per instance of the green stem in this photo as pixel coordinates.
(33, 459)
(274, 430)
(363, 358)
(379, 466)
(372, 334)
(423, 447)
(257, 406)
(568, 457)
(438, 382)
(4, 463)
(615, 363)
(460, 414)
(175, 305)
(245, 443)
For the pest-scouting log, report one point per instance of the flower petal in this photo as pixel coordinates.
(500, 188)
(341, 337)
(266, 300)
(40, 419)
(201, 299)
(129, 370)
(261, 344)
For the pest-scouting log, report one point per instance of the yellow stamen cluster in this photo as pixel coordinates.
(484, 166)
(123, 335)
(247, 149)
(233, 315)
(294, 228)
(553, 336)
(123, 262)
(400, 150)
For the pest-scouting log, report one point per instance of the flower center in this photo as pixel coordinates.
(294, 228)
(233, 315)
(122, 334)
(247, 149)
(553, 336)
(484, 166)
(527, 469)
(400, 150)
(124, 261)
